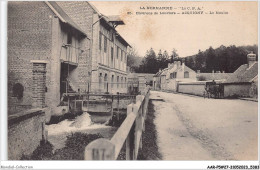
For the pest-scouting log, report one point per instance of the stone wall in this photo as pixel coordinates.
(239, 89)
(195, 88)
(29, 38)
(24, 132)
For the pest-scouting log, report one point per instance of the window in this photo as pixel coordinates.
(122, 52)
(112, 81)
(18, 91)
(117, 79)
(105, 81)
(117, 52)
(186, 74)
(122, 82)
(69, 40)
(125, 81)
(100, 80)
(112, 57)
(112, 37)
(100, 40)
(173, 75)
(105, 44)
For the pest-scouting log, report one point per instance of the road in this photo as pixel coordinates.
(194, 128)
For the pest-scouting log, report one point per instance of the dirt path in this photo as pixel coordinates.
(193, 128)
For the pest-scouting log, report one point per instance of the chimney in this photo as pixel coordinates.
(251, 59)
(160, 69)
(198, 71)
(183, 65)
(178, 64)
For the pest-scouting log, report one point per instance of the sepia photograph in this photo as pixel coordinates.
(132, 80)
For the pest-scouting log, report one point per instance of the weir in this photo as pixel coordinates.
(112, 105)
(130, 133)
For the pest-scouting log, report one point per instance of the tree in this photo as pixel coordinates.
(174, 55)
(210, 60)
(149, 63)
(199, 61)
(133, 59)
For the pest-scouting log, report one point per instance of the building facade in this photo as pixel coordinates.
(168, 78)
(41, 31)
(108, 47)
(80, 47)
(244, 81)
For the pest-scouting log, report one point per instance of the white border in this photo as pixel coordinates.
(86, 164)
(3, 78)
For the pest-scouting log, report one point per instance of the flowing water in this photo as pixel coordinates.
(80, 123)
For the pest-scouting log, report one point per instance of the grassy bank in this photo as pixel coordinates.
(73, 150)
(150, 149)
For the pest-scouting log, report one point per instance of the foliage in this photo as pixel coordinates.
(133, 59)
(151, 63)
(226, 59)
(74, 148)
(42, 152)
(223, 58)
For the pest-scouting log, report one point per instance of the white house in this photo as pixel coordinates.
(174, 73)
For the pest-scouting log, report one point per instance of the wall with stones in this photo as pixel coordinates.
(241, 90)
(24, 133)
(197, 88)
(29, 38)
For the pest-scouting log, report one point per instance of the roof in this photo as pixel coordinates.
(179, 67)
(158, 74)
(63, 16)
(164, 72)
(186, 68)
(115, 19)
(244, 74)
(108, 19)
(215, 76)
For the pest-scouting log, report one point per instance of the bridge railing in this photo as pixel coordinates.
(130, 133)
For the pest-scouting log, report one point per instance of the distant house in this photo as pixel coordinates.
(176, 72)
(157, 80)
(244, 81)
(137, 81)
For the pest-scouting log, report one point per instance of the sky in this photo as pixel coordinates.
(187, 33)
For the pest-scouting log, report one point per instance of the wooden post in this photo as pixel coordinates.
(100, 149)
(107, 87)
(112, 98)
(138, 123)
(128, 139)
(68, 101)
(75, 105)
(46, 135)
(82, 104)
(43, 133)
(87, 100)
(117, 105)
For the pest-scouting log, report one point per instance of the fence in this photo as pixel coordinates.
(102, 87)
(130, 133)
(99, 102)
